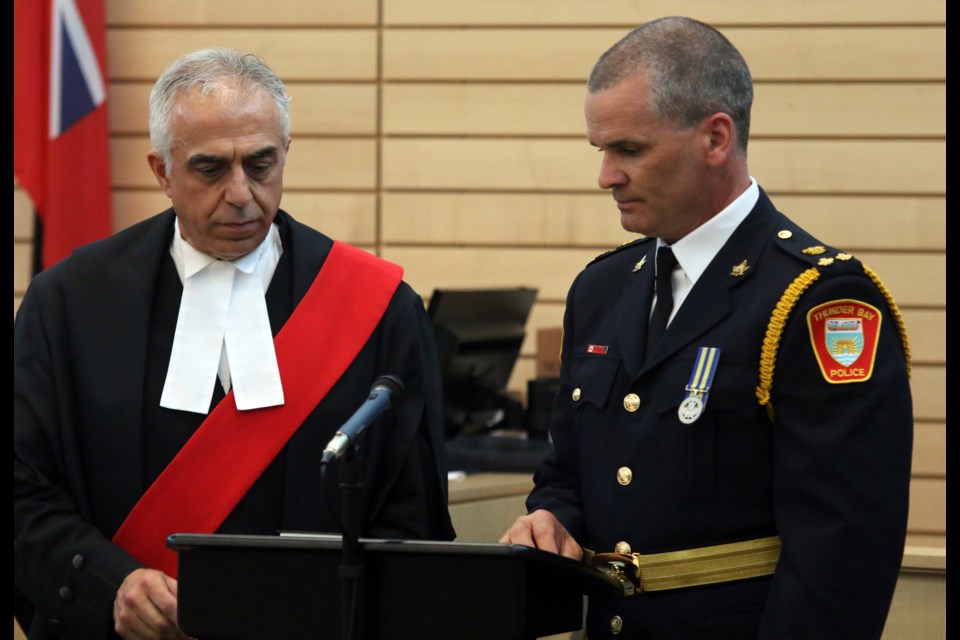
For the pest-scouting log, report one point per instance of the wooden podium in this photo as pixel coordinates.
(289, 587)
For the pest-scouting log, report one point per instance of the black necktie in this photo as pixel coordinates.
(666, 261)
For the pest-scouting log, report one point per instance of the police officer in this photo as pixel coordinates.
(733, 428)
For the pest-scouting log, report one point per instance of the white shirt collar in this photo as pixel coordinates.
(264, 258)
(698, 248)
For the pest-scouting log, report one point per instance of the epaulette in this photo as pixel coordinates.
(621, 247)
(823, 260)
(806, 248)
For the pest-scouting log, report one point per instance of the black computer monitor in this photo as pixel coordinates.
(479, 333)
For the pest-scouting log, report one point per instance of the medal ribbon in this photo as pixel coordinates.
(701, 378)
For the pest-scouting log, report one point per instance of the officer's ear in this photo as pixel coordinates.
(720, 136)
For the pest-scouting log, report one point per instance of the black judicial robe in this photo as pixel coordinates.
(92, 340)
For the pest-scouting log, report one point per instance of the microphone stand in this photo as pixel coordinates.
(351, 566)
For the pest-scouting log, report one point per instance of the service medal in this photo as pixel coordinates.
(690, 409)
(698, 388)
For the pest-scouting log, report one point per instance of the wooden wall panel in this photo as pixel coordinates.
(254, 13)
(883, 110)
(865, 222)
(333, 109)
(926, 331)
(22, 215)
(632, 12)
(851, 166)
(128, 163)
(315, 108)
(22, 256)
(484, 109)
(855, 53)
(295, 54)
(315, 163)
(908, 276)
(800, 166)
(135, 205)
(501, 164)
(928, 384)
(348, 217)
(929, 454)
(23, 223)
(448, 136)
(549, 270)
(927, 540)
(928, 506)
(808, 109)
(588, 220)
(781, 53)
(919, 606)
(128, 108)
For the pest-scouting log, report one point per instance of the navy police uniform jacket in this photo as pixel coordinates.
(824, 463)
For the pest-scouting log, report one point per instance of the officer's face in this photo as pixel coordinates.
(225, 177)
(654, 171)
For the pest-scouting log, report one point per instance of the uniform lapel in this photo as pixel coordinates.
(709, 301)
(633, 314)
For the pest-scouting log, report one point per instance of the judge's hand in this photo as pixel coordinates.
(542, 530)
(146, 607)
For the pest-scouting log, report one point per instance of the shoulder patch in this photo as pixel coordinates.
(844, 336)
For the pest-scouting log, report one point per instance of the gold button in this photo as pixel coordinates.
(783, 235)
(616, 625)
(576, 394)
(624, 475)
(623, 548)
(631, 402)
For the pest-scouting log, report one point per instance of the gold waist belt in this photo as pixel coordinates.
(689, 567)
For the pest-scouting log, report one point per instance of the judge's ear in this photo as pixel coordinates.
(159, 168)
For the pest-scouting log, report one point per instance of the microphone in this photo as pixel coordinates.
(385, 393)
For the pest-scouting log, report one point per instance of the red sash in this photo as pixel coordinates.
(222, 460)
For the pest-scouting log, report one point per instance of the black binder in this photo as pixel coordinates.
(278, 587)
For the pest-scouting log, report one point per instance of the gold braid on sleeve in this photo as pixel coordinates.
(894, 310)
(771, 341)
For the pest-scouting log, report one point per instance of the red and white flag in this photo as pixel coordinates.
(60, 138)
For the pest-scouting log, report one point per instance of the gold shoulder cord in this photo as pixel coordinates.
(895, 311)
(771, 341)
(778, 320)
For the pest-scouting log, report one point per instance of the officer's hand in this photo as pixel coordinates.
(146, 607)
(542, 530)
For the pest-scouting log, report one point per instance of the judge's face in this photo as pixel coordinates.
(225, 175)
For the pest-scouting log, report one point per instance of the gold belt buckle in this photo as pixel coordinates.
(623, 567)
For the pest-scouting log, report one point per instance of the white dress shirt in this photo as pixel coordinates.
(696, 250)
